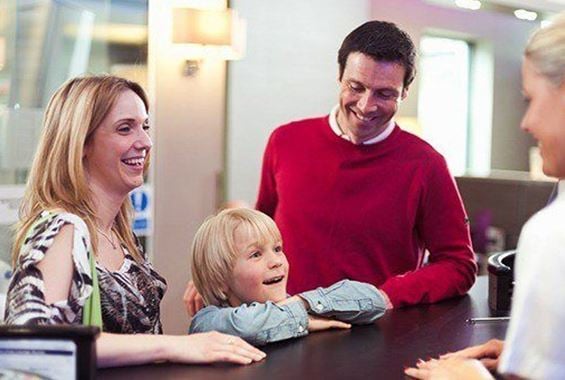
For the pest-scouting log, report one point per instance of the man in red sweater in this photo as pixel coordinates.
(356, 197)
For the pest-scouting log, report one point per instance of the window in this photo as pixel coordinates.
(42, 44)
(443, 100)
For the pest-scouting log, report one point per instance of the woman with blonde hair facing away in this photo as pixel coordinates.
(94, 149)
(535, 341)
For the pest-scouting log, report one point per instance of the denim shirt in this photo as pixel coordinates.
(261, 323)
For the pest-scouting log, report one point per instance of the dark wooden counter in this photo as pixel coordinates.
(378, 351)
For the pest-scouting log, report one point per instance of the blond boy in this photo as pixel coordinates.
(239, 268)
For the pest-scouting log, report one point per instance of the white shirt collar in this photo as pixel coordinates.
(561, 187)
(338, 131)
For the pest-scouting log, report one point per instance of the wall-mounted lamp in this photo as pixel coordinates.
(207, 33)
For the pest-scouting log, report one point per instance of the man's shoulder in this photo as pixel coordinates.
(416, 142)
(302, 126)
(416, 146)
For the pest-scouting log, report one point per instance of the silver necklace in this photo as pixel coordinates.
(114, 245)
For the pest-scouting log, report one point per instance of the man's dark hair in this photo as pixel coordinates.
(382, 41)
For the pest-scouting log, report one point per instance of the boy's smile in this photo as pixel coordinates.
(260, 272)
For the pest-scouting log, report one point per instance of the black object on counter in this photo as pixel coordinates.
(501, 280)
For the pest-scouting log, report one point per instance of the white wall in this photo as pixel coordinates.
(289, 72)
(290, 69)
(188, 118)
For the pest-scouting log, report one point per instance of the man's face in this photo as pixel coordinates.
(370, 92)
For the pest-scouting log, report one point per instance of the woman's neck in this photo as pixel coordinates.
(107, 205)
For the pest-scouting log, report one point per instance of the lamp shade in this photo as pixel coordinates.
(204, 27)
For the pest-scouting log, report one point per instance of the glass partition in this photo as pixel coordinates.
(42, 44)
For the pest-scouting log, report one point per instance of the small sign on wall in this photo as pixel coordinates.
(141, 199)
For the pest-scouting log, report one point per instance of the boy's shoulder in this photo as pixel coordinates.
(197, 325)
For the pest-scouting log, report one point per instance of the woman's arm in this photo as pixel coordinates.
(57, 266)
(42, 281)
(119, 350)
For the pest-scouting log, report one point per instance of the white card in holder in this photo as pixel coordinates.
(53, 359)
(50, 351)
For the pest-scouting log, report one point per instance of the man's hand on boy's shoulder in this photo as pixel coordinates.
(193, 301)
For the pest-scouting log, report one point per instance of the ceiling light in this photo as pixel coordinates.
(468, 4)
(523, 14)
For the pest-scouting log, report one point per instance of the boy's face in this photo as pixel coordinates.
(260, 272)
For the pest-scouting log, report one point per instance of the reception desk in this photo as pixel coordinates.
(378, 351)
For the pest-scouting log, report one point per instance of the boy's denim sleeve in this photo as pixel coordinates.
(257, 323)
(348, 301)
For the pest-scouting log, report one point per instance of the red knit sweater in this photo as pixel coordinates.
(366, 213)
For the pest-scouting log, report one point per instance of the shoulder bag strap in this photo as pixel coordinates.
(92, 312)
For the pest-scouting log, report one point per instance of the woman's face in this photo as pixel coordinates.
(545, 118)
(115, 154)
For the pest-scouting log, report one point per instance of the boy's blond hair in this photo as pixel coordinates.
(214, 252)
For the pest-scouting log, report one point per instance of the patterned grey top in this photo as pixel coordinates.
(130, 297)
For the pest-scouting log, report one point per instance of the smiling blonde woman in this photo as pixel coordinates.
(75, 234)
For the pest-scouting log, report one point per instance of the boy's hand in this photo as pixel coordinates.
(320, 324)
(192, 299)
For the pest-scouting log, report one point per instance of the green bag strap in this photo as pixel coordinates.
(92, 312)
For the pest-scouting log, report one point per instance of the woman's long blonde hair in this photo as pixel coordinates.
(57, 179)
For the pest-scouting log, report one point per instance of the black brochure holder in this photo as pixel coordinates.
(501, 280)
(84, 338)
